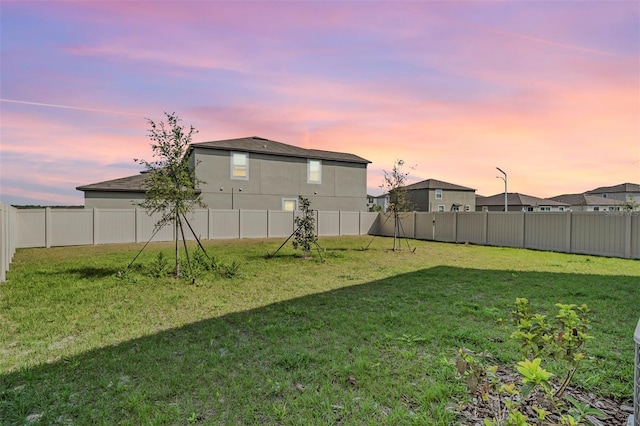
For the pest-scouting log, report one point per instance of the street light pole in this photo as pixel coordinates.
(505, 186)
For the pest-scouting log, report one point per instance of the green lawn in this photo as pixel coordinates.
(363, 338)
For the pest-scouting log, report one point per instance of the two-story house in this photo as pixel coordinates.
(256, 173)
(434, 195)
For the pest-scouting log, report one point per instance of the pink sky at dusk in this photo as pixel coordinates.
(547, 91)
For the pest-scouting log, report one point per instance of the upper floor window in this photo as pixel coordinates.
(240, 165)
(438, 194)
(314, 171)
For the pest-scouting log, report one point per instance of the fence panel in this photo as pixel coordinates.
(146, 227)
(253, 223)
(115, 226)
(471, 227)
(199, 221)
(505, 229)
(70, 227)
(224, 224)
(349, 223)
(369, 222)
(425, 229)
(445, 227)
(32, 228)
(328, 224)
(280, 223)
(599, 234)
(547, 231)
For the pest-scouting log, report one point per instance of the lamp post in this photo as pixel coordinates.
(505, 186)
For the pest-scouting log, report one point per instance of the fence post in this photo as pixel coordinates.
(95, 226)
(524, 229)
(568, 232)
(627, 235)
(47, 227)
(485, 228)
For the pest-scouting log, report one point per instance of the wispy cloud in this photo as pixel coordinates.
(77, 108)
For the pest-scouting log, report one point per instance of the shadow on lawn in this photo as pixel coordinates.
(245, 362)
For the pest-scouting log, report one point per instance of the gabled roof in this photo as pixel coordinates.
(134, 183)
(585, 200)
(257, 144)
(437, 184)
(623, 187)
(516, 199)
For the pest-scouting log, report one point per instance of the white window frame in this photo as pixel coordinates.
(288, 199)
(467, 208)
(438, 194)
(309, 171)
(440, 207)
(544, 208)
(233, 165)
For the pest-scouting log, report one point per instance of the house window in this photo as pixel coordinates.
(467, 208)
(289, 204)
(440, 207)
(545, 208)
(596, 209)
(529, 209)
(314, 171)
(438, 194)
(240, 165)
(560, 209)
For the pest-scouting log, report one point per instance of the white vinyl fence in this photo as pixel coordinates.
(613, 234)
(69, 227)
(7, 238)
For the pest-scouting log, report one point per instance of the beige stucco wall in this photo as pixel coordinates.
(272, 178)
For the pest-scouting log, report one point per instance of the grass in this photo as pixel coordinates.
(363, 338)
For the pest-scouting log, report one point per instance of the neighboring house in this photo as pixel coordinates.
(256, 173)
(519, 202)
(433, 195)
(588, 203)
(618, 192)
(375, 202)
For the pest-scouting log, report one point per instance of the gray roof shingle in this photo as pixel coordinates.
(257, 144)
(437, 184)
(585, 200)
(516, 199)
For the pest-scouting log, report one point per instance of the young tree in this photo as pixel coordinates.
(305, 234)
(171, 182)
(395, 185)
